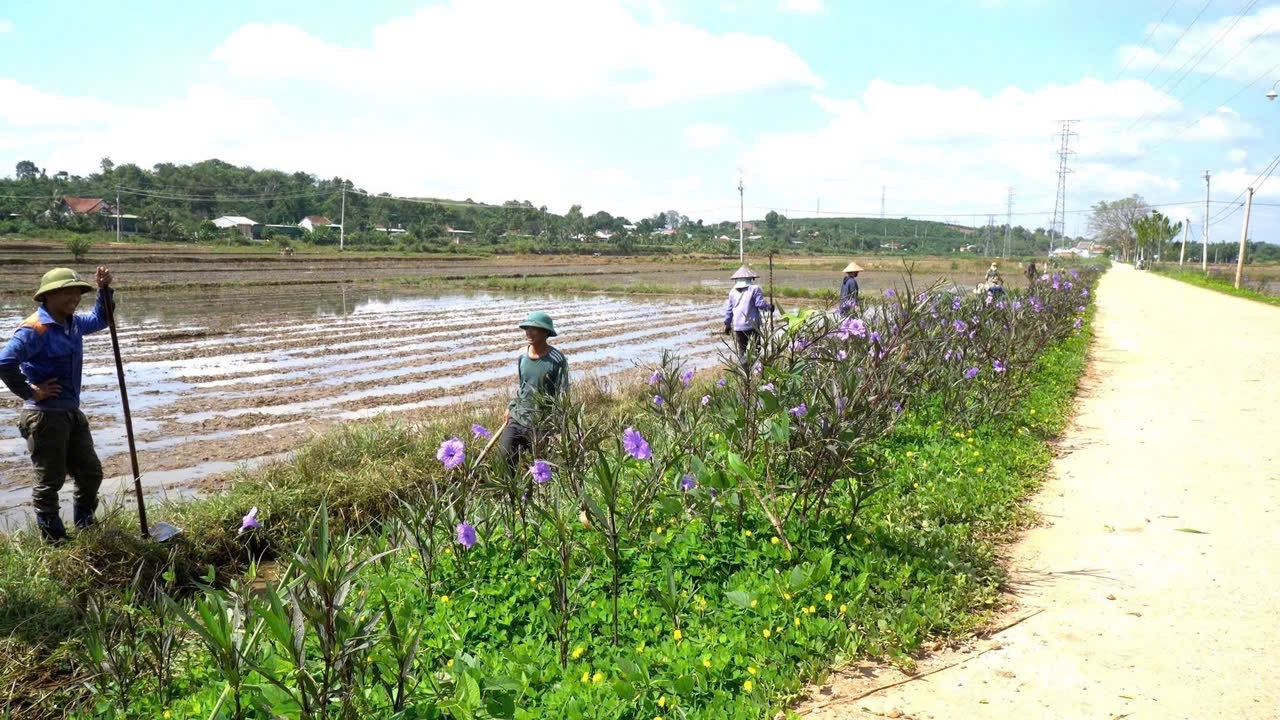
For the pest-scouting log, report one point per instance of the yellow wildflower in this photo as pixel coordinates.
(677, 634)
(586, 676)
(577, 652)
(813, 609)
(659, 530)
(767, 632)
(797, 619)
(747, 686)
(706, 662)
(786, 596)
(976, 453)
(662, 701)
(167, 715)
(746, 533)
(774, 541)
(598, 677)
(450, 663)
(640, 648)
(843, 608)
(751, 669)
(981, 469)
(444, 598)
(754, 602)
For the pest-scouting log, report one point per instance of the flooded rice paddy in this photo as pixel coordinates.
(228, 377)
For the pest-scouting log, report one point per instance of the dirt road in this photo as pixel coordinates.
(1156, 575)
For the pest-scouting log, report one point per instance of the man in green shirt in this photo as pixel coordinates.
(543, 373)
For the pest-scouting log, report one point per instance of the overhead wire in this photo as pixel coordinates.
(1150, 32)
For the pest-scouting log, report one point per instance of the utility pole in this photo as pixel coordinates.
(742, 214)
(1008, 225)
(1186, 230)
(1204, 247)
(117, 213)
(342, 220)
(882, 206)
(1060, 202)
(1244, 233)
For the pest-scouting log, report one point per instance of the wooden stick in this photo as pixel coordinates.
(492, 440)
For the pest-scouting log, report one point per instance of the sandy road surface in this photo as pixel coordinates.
(1137, 618)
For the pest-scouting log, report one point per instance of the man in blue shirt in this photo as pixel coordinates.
(42, 364)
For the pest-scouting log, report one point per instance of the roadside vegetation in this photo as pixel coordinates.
(699, 546)
(1221, 282)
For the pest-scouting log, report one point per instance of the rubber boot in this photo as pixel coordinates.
(83, 517)
(51, 528)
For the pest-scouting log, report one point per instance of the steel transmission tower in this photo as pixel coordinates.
(1059, 223)
(1008, 226)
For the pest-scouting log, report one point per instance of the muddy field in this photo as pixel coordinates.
(217, 379)
(233, 358)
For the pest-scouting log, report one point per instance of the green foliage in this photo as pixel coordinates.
(1221, 283)
(78, 246)
(826, 505)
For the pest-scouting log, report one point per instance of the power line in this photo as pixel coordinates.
(1150, 32)
(1175, 42)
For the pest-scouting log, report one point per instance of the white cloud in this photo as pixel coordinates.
(705, 136)
(807, 7)
(1233, 46)
(1237, 156)
(6, 26)
(567, 50)
(955, 150)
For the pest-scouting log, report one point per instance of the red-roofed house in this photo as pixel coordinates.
(85, 206)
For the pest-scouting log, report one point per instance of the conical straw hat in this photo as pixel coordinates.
(745, 272)
(853, 267)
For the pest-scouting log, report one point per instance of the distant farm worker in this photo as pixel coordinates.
(993, 275)
(742, 311)
(42, 364)
(543, 375)
(849, 288)
(1032, 273)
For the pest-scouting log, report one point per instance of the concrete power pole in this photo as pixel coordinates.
(1186, 230)
(1204, 247)
(117, 214)
(1244, 234)
(742, 214)
(1060, 201)
(882, 206)
(342, 219)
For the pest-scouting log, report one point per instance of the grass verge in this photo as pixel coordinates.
(1219, 284)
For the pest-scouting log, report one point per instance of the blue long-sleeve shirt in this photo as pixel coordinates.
(849, 291)
(42, 348)
(742, 311)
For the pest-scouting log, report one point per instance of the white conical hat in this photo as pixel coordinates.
(853, 267)
(743, 273)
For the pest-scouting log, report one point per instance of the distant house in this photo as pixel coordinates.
(251, 229)
(458, 235)
(85, 206)
(311, 222)
(397, 230)
(603, 234)
(128, 223)
(292, 231)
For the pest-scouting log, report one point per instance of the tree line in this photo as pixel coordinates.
(177, 202)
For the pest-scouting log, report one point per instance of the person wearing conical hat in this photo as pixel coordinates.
(543, 374)
(742, 311)
(849, 287)
(993, 274)
(41, 364)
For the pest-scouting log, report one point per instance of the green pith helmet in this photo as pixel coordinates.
(539, 319)
(59, 278)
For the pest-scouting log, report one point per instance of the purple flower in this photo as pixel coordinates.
(655, 377)
(686, 376)
(767, 387)
(687, 483)
(841, 354)
(1080, 309)
(971, 373)
(955, 304)
(897, 407)
(720, 382)
(852, 327)
(946, 355)
(1017, 305)
(466, 534)
(250, 521)
(634, 443)
(997, 366)
(839, 404)
(799, 411)
(875, 337)
(757, 368)
(706, 400)
(541, 471)
(1076, 324)
(451, 453)
(1084, 292)
(481, 431)
(658, 401)
(888, 292)
(959, 326)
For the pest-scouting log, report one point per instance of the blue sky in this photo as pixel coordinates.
(635, 106)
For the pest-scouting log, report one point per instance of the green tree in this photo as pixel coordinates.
(26, 170)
